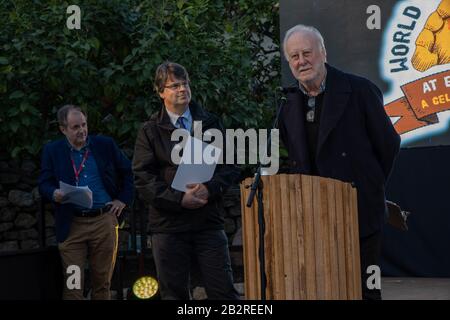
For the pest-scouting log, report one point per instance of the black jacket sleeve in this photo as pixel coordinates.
(149, 183)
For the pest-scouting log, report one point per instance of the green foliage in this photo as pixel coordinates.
(230, 49)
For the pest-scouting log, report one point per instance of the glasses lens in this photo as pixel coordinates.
(177, 86)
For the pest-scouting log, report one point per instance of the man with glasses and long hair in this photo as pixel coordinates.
(182, 224)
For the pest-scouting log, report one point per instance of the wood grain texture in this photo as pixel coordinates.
(311, 239)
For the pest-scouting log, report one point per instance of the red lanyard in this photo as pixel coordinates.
(80, 168)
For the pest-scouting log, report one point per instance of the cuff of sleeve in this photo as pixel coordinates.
(173, 204)
(179, 195)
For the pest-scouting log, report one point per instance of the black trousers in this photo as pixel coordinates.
(172, 253)
(370, 251)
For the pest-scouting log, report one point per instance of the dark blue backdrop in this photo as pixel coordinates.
(420, 183)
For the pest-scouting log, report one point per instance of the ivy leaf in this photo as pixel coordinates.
(16, 95)
(6, 69)
(14, 126)
(180, 4)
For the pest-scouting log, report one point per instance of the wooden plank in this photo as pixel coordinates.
(295, 204)
(301, 281)
(301, 238)
(355, 237)
(279, 292)
(310, 265)
(341, 241)
(268, 237)
(324, 223)
(332, 241)
(348, 243)
(318, 239)
(271, 257)
(285, 235)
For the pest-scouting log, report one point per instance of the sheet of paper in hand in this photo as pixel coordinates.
(81, 196)
(197, 164)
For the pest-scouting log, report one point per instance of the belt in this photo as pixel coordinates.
(92, 212)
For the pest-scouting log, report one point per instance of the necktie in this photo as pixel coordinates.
(181, 122)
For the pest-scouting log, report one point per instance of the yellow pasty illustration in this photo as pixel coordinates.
(433, 42)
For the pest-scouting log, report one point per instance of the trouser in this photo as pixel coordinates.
(172, 253)
(370, 251)
(95, 238)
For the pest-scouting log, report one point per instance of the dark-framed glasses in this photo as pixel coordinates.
(177, 85)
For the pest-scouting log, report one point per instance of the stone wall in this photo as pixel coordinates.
(19, 206)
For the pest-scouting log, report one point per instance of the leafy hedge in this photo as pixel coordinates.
(108, 66)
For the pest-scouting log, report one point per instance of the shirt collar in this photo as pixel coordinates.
(174, 117)
(321, 89)
(82, 149)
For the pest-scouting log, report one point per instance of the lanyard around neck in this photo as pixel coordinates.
(80, 168)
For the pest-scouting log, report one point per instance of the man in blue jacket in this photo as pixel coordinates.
(96, 162)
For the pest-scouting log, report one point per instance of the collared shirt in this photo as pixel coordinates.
(321, 89)
(187, 119)
(90, 175)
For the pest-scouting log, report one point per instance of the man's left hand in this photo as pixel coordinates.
(116, 207)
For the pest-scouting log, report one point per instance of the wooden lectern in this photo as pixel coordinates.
(311, 239)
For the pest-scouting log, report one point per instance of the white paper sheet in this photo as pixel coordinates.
(194, 168)
(81, 196)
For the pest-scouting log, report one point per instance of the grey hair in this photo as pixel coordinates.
(302, 28)
(64, 111)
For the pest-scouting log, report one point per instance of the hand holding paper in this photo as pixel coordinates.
(190, 172)
(190, 199)
(58, 196)
(81, 196)
(201, 191)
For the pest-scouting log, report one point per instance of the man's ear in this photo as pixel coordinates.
(62, 129)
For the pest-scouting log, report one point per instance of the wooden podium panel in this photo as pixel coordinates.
(311, 239)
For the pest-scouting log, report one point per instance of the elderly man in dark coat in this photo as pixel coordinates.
(334, 125)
